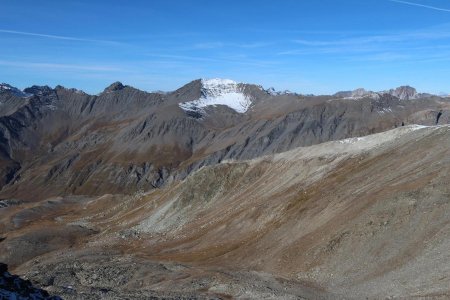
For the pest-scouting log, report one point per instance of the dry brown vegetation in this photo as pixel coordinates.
(356, 218)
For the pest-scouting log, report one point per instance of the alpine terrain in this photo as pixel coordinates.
(222, 190)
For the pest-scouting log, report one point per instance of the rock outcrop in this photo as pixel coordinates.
(13, 287)
(63, 141)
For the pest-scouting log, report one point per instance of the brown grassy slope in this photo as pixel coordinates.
(367, 217)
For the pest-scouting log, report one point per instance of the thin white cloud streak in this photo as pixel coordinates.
(209, 45)
(215, 45)
(228, 59)
(252, 45)
(399, 58)
(381, 57)
(414, 36)
(333, 50)
(315, 43)
(53, 66)
(372, 43)
(183, 57)
(58, 37)
(420, 5)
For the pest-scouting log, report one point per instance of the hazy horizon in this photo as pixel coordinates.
(305, 47)
(171, 90)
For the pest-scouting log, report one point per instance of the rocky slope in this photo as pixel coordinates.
(225, 190)
(364, 217)
(63, 141)
(14, 287)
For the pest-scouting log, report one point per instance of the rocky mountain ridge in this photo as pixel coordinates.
(129, 194)
(63, 141)
(402, 92)
(215, 86)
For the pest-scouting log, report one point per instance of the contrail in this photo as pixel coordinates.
(51, 36)
(420, 5)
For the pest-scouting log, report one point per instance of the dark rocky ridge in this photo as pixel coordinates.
(64, 141)
(14, 287)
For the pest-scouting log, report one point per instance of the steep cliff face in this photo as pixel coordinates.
(63, 141)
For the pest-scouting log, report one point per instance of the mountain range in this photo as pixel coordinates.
(65, 141)
(222, 189)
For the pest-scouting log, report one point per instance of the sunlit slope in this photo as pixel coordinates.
(358, 217)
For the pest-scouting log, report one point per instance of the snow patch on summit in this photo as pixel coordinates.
(273, 92)
(10, 89)
(219, 92)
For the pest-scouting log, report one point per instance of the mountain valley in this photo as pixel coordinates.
(222, 190)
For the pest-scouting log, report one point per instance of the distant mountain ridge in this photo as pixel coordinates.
(221, 189)
(215, 86)
(402, 92)
(61, 140)
(6, 88)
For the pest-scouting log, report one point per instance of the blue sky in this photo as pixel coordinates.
(309, 46)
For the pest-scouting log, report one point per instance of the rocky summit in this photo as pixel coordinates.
(222, 190)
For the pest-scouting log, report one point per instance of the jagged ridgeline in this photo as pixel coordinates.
(56, 141)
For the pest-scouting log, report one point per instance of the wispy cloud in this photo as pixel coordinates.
(372, 43)
(316, 43)
(209, 45)
(215, 45)
(58, 37)
(382, 57)
(252, 45)
(183, 57)
(420, 5)
(229, 59)
(415, 58)
(55, 66)
(399, 37)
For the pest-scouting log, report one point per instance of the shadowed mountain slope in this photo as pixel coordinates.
(63, 141)
(348, 219)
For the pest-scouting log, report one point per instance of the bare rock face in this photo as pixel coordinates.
(63, 141)
(223, 190)
(14, 287)
(404, 93)
(357, 94)
(116, 86)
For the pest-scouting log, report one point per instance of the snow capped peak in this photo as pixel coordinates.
(216, 87)
(273, 92)
(4, 87)
(217, 82)
(219, 91)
